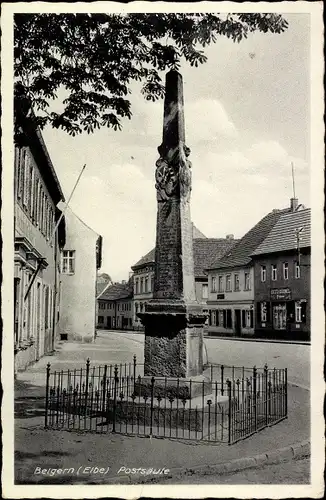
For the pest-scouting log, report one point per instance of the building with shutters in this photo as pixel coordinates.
(282, 278)
(37, 192)
(80, 260)
(231, 282)
(205, 250)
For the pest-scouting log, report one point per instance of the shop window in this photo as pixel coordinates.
(263, 312)
(100, 320)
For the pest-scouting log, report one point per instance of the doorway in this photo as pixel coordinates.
(279, 317)
(237, 321)
(108, 322)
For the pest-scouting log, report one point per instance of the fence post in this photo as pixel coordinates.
(104, 388)
(222, 379)
(116, 381)
(135, 365)
(286, 391)
(228, 383)
(152, 403)
(254, 370)
(86, 388)
(266, 392)
(48, 367)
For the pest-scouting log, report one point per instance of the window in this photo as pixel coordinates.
(221, 317)
(18, 154)
(38, 203)
(285, 271)
(152, 283)
(213, 283)
(298, 311)
(205, 291)
(236, 283)
(263, 274)
(247, 318)
(263, 313)
(274, 272)
(228, 283)
(247, 281)
(31, 190)
(146, 284)
(68, 262)
(220, 284)
(213, 318)
(26, 182)
(297, 271)
(101, 319)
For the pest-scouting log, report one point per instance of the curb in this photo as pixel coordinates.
(293, 452)
(256, 339)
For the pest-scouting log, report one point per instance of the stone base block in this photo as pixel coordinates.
(174, 388)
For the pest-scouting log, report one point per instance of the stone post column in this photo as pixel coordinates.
(173, 319)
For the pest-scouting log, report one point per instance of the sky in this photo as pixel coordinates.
(247, 118)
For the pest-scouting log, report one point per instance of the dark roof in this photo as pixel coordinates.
(283, 235)
(149, 258)
(117, 291)
(207, 251)
(241, 252)
(34, 140)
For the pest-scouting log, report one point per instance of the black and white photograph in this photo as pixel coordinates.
(162, 249)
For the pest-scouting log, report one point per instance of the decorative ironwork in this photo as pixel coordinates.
(236, 403)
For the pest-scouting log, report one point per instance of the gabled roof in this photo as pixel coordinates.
(117, 291)
(240, 254)
(283, 236)
(207, 251)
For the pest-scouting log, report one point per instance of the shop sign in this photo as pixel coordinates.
(280, 294)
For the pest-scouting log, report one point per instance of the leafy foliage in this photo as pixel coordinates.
(95, 57)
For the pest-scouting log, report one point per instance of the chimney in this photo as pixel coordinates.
(230, 236)
(294, 204)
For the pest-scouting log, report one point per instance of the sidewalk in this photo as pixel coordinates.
(36, 447)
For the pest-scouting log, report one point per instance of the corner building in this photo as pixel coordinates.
(36, 194)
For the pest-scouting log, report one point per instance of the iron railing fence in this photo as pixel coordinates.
(235, 403)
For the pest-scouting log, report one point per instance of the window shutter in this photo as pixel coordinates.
(268, 309)
(243, 318)
(304, 312)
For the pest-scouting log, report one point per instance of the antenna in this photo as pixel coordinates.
(293, 183)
